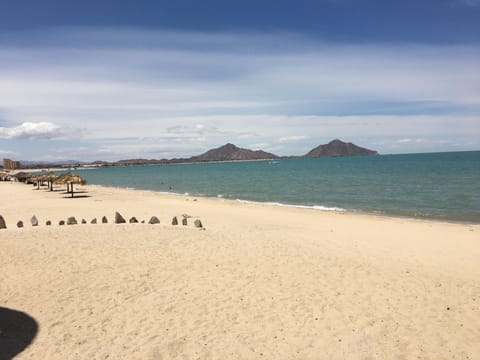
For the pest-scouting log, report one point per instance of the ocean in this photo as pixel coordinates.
(439, 186)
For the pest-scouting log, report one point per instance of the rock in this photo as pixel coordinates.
(84, 221)
(119, 218)
(174, 221)
(2, 223)
(34, 221)
(184, 221)
(154, 220)
(198, 223)
(104, 220)
(94, 221)
(19, 223)
(143, 221)
(48, 223)
(133, 220)
(71, 221)
(61, 222)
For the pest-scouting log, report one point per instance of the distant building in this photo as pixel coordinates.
(10, 164)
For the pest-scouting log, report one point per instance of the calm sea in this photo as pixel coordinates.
(443, 186)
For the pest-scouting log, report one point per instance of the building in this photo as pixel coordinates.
(10, 164)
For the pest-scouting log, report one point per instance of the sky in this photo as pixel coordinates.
(113, 79)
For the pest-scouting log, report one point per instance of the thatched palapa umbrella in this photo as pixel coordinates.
(37, 179)
(50, 177)
(23, 177)
(70, 179)
(4, 177)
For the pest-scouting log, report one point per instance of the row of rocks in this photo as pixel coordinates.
(119, 219)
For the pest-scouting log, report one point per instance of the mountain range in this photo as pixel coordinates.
(230, 152)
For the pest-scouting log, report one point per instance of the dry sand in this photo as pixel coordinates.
(260, 282)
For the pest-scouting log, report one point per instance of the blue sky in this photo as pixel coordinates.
(122, 79)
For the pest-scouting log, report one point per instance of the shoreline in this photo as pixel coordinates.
(317, 208)
(320, 208)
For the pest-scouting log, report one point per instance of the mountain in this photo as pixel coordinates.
(230, 152)
(338, 148)
(58, 163)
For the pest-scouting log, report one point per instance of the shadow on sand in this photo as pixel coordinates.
(76, 196)
(17, 331)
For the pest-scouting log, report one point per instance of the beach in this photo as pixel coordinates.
(259, 281)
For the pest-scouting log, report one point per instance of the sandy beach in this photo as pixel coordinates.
(260, 282)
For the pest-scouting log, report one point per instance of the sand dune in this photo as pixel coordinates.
(260, 282)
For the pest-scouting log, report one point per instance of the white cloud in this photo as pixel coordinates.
(292, 138)
(30, 130)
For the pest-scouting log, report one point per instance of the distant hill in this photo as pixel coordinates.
(230, 152)
(338, 148)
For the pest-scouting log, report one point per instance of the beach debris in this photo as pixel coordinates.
(48, 223)
(61, 222)
(84, 221)
(71, 221)
(2, 223)
(133, 220)
(154, 220)
(119, 218)
(184, 220)
(34, 221)
(94, 221)
(19, 223)
(174, 221)
(198, 223)
(104, 220)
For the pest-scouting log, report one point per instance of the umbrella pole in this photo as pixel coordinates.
(72, 189)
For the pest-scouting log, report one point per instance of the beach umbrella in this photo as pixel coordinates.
(37, 180)
(70, 179)
(23, 177)
(50, 177)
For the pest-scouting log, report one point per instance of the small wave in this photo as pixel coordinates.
(312, 207)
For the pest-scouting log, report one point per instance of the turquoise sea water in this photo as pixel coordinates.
(443, 186)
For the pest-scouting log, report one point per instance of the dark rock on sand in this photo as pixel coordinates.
(198, 223)
(72, 221)
(34, 221)
(94, 221)
(174, 221)
(184, 221)
(84, 221)
(2, 223)
(104, 220)
(143, 221)
(133, 220)
(48, 223)
(119, 218)
(61, 222)
(154, 220)
(19, 223)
